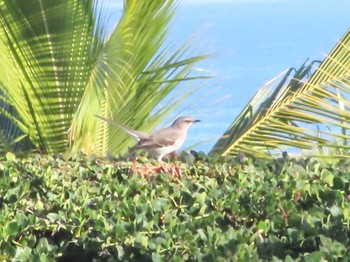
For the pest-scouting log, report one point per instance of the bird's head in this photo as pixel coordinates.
(184, 122)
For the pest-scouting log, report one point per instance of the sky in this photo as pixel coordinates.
(251, 42)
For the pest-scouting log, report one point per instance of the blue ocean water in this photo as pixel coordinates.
(252, 41)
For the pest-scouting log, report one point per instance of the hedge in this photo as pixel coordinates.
(246, 209)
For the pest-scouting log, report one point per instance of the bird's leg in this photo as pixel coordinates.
(173, 155)
(170, 157)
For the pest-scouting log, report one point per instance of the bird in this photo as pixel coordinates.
(161, 142)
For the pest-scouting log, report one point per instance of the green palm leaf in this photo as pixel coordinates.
(300, 112)
(60, 69)
(46, 46)
(11, 137)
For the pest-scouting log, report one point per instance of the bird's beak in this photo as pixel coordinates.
(196, 121)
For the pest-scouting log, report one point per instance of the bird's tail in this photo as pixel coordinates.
(138, 135)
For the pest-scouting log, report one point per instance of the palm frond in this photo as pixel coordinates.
(132, 74)
(11, 136)
(61, 68)
(45, 47)
(301, 112)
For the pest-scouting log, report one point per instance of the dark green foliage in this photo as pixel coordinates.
(244, 209)
(9, 131)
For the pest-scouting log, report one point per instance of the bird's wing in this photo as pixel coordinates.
(165, 137)
(138, 135)
(146, 144)
(162, 138)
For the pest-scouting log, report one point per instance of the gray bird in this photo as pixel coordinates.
(161, 142)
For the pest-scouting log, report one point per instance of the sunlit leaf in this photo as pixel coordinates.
(61, 67)
(300, 111)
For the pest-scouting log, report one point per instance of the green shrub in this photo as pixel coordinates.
(84, 209)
